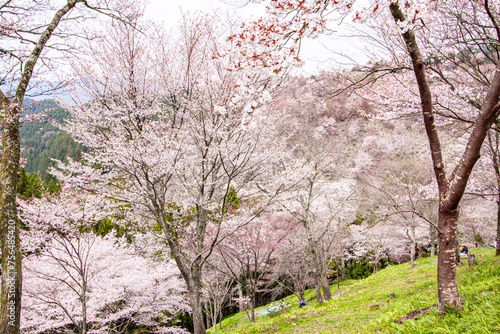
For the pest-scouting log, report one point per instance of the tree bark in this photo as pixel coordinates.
(324, 280)
(342, 269)
(446, 275)
(316, 272)
(413, 244)
(494, 141)
(450, 190)
(432, 237)
(195, 301)
(326, 287)
(497, 251)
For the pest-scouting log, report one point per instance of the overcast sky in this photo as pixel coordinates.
(317, 54)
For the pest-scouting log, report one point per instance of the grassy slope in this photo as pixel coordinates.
(354, 310)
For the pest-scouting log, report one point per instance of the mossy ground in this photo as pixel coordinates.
(362, 306)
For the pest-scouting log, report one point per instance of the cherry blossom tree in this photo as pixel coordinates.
(408, 18)
(292, 271)
(75, 278)
(26, 27)
(217, 290)
(249, 253)
(172, 131)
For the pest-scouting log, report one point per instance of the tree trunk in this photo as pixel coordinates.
(195, 302)
(494, 142)
(83, 301)
(241, 307)
(10, 307)
(338, 278)
(252, 311)
(316, 276)
(326, 287)
(497, 252)
(446, 270)
(342, 269)
(324, 281)
(413, 245)
(432, 237)
(450, 190)
(313, 246)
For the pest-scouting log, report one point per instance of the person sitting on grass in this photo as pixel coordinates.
(464, 250)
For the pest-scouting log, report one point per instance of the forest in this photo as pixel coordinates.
(197, 174)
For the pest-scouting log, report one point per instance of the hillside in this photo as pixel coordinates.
(42, 141)
(371, 305)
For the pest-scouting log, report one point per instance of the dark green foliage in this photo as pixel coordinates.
(357, 268)
(29, 185)
(42, 141)
(232, 201)
(51, 185)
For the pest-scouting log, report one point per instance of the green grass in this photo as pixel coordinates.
(355, 310)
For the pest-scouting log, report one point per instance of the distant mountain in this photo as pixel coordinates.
(42, 141)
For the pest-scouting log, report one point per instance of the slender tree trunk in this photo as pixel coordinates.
(83, 301)
(241, 307)
(446, 275)
(338, 277)
(413, 244)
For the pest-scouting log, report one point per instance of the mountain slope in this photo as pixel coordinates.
(42, 141)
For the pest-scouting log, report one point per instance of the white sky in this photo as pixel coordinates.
(317, 54)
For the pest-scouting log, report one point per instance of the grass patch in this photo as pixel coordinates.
(362, 307)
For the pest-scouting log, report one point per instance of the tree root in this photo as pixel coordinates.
(414, 314)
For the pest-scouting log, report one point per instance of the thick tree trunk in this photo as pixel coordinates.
(252, 305)
(10, 307)
(326, 287)
(450, 190)
(324, 281)
(342, 269)
(497, 252)
(190, 273)
(494, 142)
(313, 246)
(195, 302)
(446, 270)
